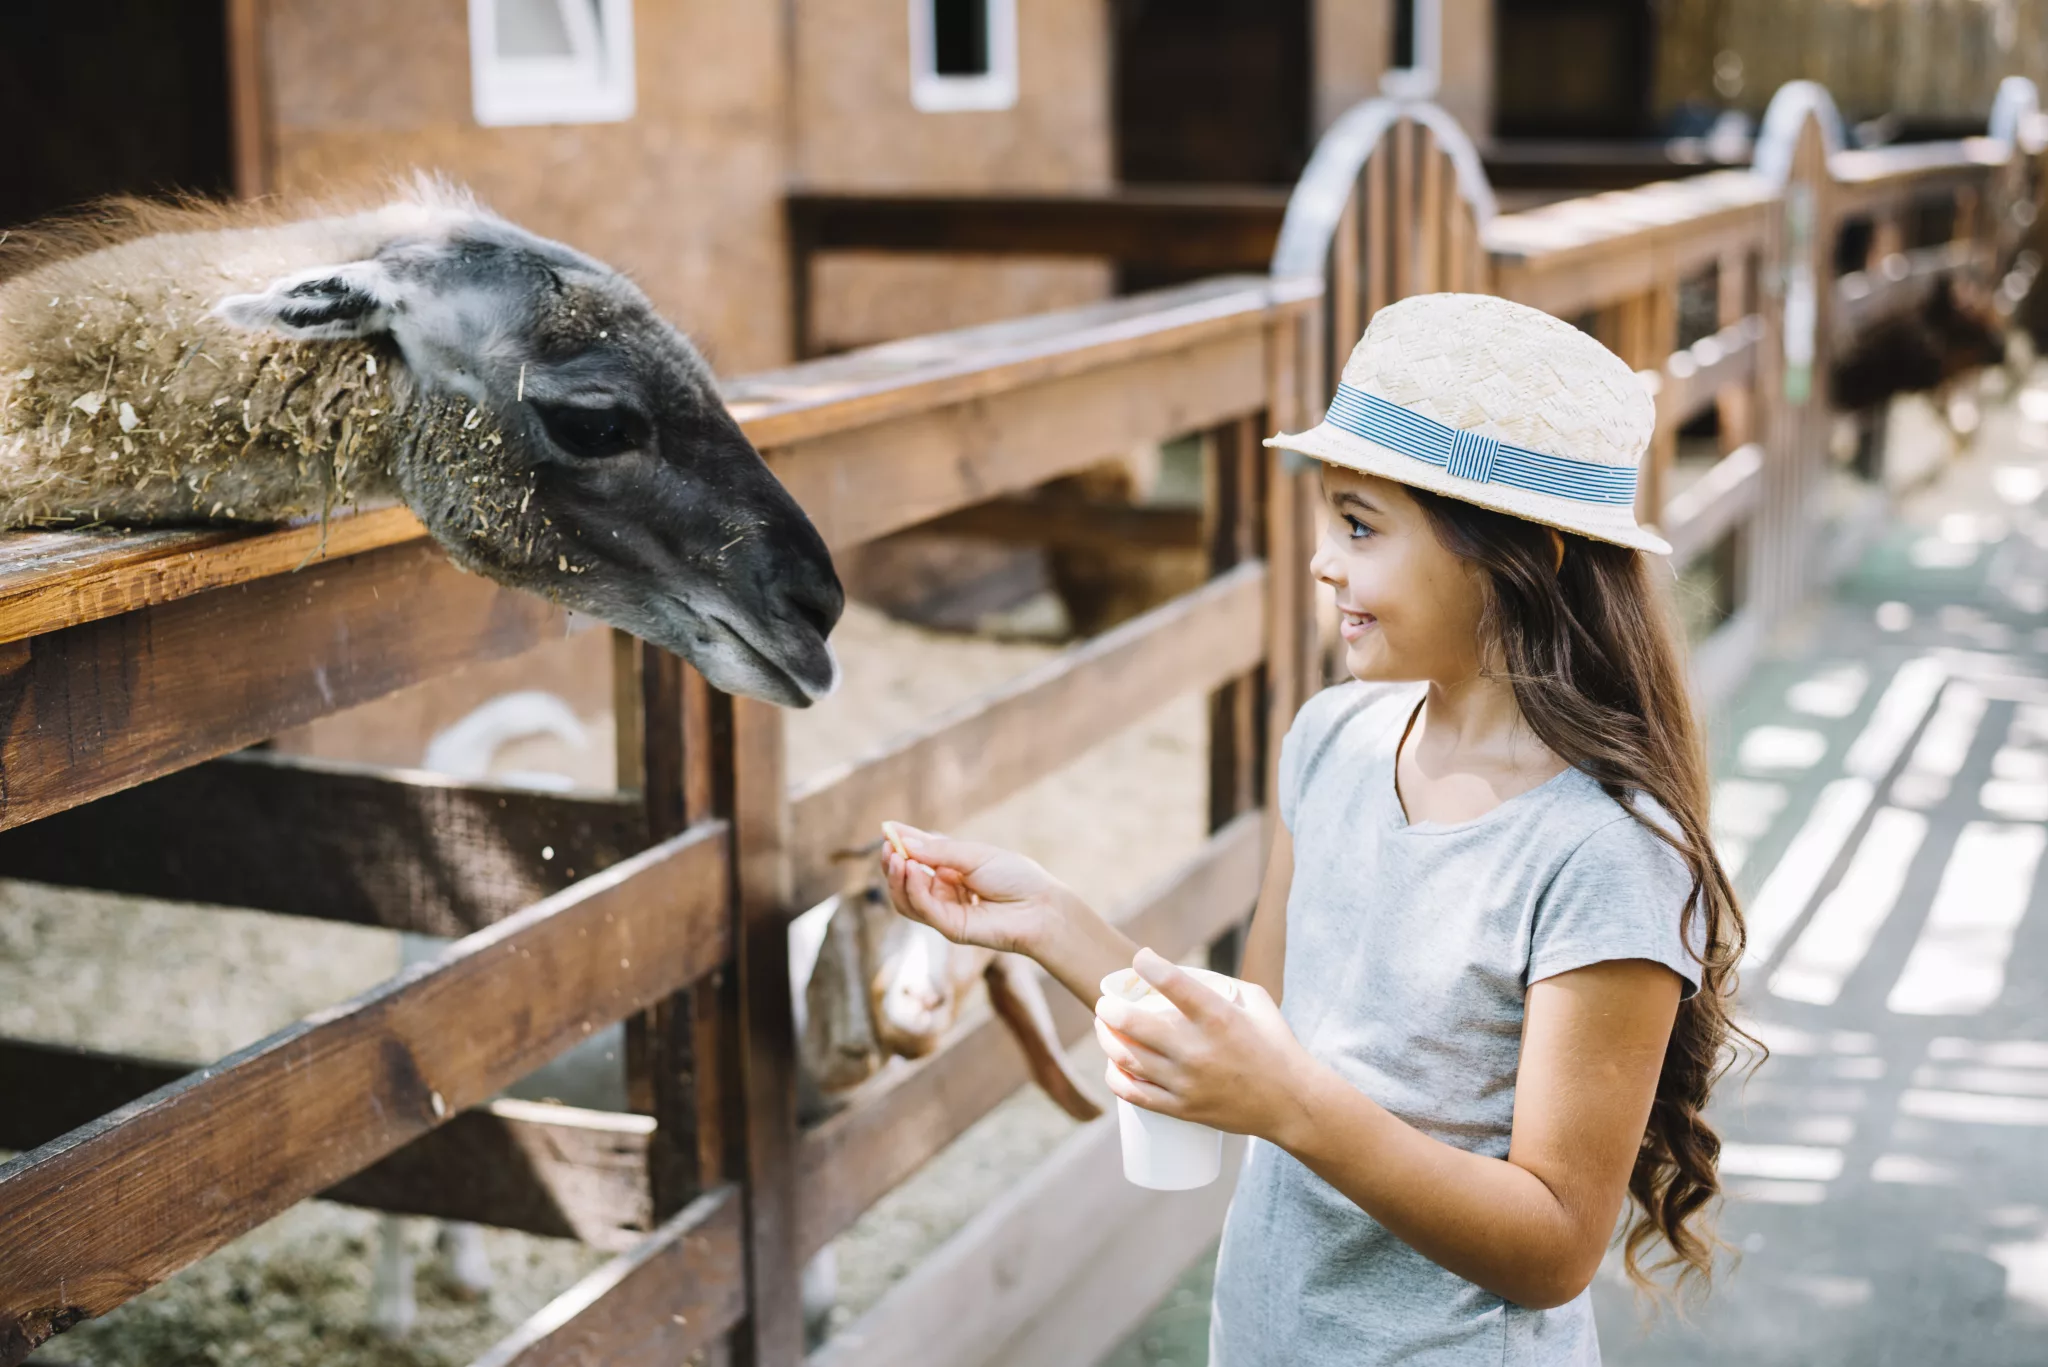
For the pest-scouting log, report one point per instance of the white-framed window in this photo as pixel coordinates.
(551, 61)
(1415, 58)
(963, 54)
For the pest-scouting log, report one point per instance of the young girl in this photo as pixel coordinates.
(1490, 964)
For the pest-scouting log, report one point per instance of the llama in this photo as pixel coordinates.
(207, 364)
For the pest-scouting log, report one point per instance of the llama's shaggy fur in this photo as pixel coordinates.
(180, 364)
(124, 399)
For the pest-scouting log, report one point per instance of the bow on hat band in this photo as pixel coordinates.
(1470, 455)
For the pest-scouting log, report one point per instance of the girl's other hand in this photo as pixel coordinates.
(1237, 1066)
(972, 894)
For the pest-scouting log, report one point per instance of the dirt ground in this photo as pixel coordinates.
(193, 983)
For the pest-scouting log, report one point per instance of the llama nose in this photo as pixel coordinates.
(815, 597)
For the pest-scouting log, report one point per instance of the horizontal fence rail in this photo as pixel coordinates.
(110, 1209)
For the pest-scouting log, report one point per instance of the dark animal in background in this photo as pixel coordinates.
(1918, 348)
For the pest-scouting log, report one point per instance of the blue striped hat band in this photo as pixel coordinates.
(1469, 455)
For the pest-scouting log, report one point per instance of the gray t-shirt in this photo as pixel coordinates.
(1409, 949)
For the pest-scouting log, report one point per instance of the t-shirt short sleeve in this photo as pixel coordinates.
(1313, 726)
(1621, 894)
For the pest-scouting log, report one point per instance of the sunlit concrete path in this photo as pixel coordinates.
(1882, 789)
(1883, 783)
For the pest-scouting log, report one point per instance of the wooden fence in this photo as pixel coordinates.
(132, 669)
(1395, 201)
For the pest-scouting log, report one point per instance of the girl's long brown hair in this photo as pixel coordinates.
(1588, 646)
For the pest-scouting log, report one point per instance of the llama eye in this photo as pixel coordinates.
(593, 433)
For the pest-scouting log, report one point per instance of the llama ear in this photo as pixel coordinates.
(325, 304)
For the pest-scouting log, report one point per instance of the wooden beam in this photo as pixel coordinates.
(912, 1110)
(975, 755)
(1013, 1258)
(558, 1171)
(57, 579)
(1065, 523)
(101, 706)
(102, 1214)
(1710, 507)
(864, 483)
(248, 107)
(1583, 253)
(1106, 1297)
(763, 1022)
(397, 848)
(1693, 379)
(1195, 228)
(1901, 280)
(783, 408)
(670, 1296)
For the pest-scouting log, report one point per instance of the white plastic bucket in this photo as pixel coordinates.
(1164, 1152)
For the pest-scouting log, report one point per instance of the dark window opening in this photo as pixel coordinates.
(960, 37)
(1573, 68)
(1403, 49)
(1212, 91)
(107, 97)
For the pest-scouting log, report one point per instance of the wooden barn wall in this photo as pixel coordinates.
(1465, 85)
(1352, 39)
(1925, 60)
(856, 130)
(686, 196)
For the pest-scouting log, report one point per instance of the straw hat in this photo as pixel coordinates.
(1497, 404)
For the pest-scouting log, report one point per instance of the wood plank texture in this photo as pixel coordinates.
(912, 1110)
(867, 481)
(1104, 1298)
(1693, 379)
(96, 1217)
(1067, 523)
(764, 1024)
(1012, 1259)
(106, 704)
(917, 375)
(57, 579)
(977, 754)
(668, 1297)
(1711, 506)
(404, 849)
(1582, 253)
(558, 1171)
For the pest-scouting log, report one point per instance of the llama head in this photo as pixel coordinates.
(563, 438)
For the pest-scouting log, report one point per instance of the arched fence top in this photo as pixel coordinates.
(1327, 182)
(2016, 115)
(1778, 140)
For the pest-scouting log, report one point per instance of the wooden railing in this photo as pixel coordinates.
(132, 668)
(135, 666)
(1395, 194)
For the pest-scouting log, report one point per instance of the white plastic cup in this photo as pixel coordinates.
(1164, 1152)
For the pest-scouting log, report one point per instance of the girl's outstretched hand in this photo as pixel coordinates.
(972, 894)
(1236, 1067)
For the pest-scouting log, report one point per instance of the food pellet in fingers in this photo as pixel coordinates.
(895, 839)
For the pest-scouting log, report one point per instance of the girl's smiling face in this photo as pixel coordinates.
(1410, 608)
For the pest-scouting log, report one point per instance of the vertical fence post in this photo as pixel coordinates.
(1232, 532)
(680, 1053)
(773, 1333)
